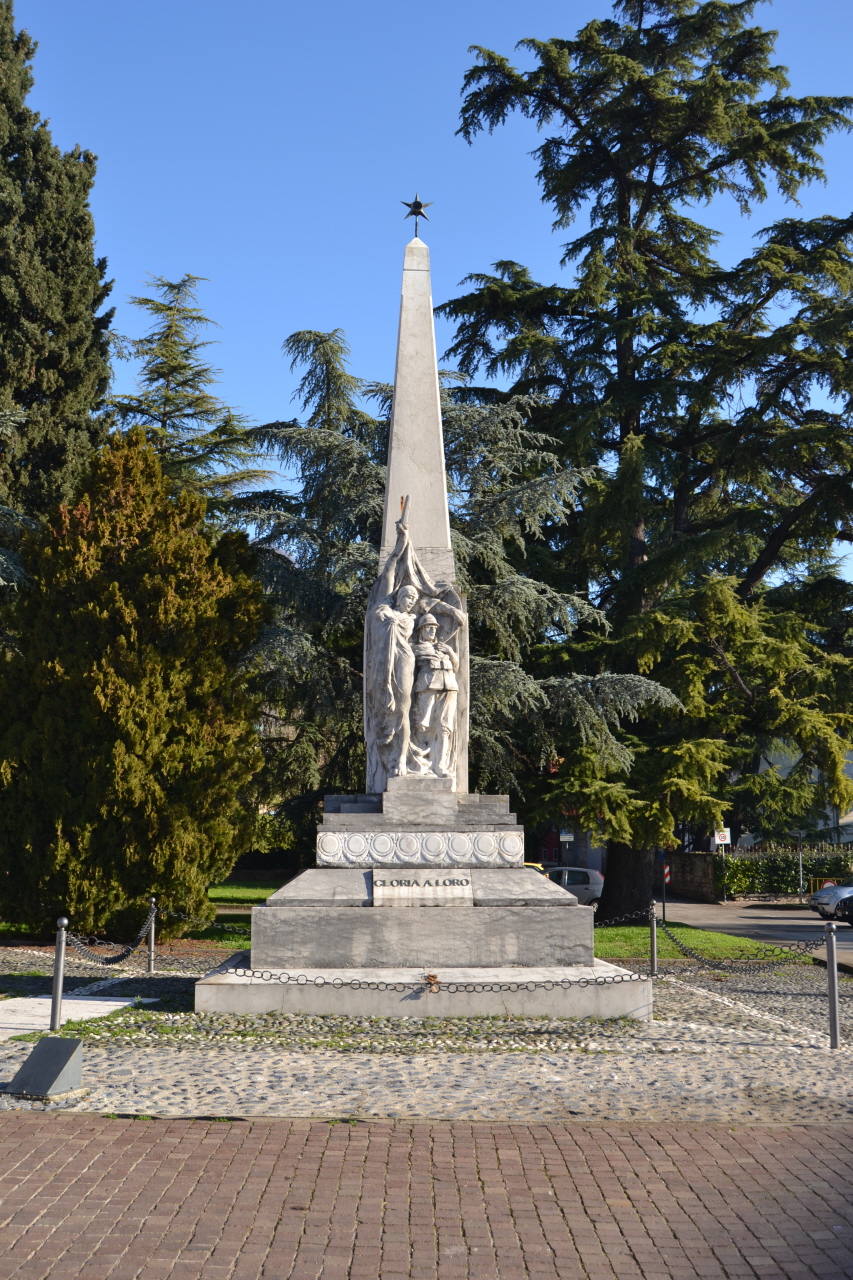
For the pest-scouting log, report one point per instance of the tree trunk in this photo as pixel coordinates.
(633, 878)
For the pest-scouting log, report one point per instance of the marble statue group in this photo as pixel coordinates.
(412, 634)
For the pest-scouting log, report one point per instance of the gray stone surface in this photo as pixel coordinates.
(54, 1067)
(597, 990)
(416, 445)
(402, 811)
(431, 848)
(473, 937)
(519, 887)
(353, 887)
(330, 886)
(412, 800)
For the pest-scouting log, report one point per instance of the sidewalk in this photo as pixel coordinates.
(102, 1199)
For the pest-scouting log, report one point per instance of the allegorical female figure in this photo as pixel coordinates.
(401, 592)
(389, 670)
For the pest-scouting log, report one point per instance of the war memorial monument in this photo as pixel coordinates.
(420, 904)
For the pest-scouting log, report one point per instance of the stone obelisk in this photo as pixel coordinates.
(416, 492)
(416, 445)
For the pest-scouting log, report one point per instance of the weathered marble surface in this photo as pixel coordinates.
(324, 937)
(416, 444)
(576, 992)
(353, 887)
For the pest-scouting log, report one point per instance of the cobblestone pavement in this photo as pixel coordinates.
(752, 1054)
(101, 1199)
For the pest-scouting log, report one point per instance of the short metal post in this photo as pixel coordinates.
(653, 937)
(151, 929)
(58, 975)
(832, 987)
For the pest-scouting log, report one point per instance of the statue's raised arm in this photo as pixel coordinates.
(385, 586)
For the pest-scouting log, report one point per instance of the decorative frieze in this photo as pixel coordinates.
(420, 848)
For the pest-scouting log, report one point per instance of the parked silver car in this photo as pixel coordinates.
(584, 884)
(825, 901)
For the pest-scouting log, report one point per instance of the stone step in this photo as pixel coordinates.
(366, 821)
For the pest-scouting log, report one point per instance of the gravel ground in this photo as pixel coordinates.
(721, 1047)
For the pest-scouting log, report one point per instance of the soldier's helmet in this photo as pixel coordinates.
(426, 620)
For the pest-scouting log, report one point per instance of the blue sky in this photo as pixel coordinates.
(267, 146)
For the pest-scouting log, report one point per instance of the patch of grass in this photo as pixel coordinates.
(246, 891)
(238, 933)
(624, 942)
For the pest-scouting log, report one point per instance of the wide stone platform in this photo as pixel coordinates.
(597, 990)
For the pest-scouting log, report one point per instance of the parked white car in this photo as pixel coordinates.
(825, 901)
(586, 885)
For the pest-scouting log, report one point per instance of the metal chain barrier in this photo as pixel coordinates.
(203, 924)
(85, 945)
(788, 953)
(635, 915)
(430, 982)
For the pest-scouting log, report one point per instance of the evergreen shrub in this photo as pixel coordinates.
(777, 872)
(129, 735)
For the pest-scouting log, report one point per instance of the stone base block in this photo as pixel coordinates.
(598, 990)
(331, 937)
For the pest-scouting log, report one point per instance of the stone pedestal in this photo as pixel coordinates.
(417, 910)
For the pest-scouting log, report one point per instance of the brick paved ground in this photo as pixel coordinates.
(101, 1199)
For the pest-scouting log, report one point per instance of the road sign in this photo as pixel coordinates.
(723, 836)
(828, 884)
(666, 873)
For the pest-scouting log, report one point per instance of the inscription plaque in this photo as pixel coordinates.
(422, 889)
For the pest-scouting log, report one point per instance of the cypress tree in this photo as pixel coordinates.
(130, 737)
(53, 343)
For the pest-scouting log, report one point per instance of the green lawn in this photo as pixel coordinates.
(235, 934)
(244, 892)
(623, 942)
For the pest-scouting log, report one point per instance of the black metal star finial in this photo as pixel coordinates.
(416, 209)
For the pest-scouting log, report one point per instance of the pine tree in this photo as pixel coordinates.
(53, 343)
(318, 555)
(130, 735)
(714, 403)
(204, 447)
